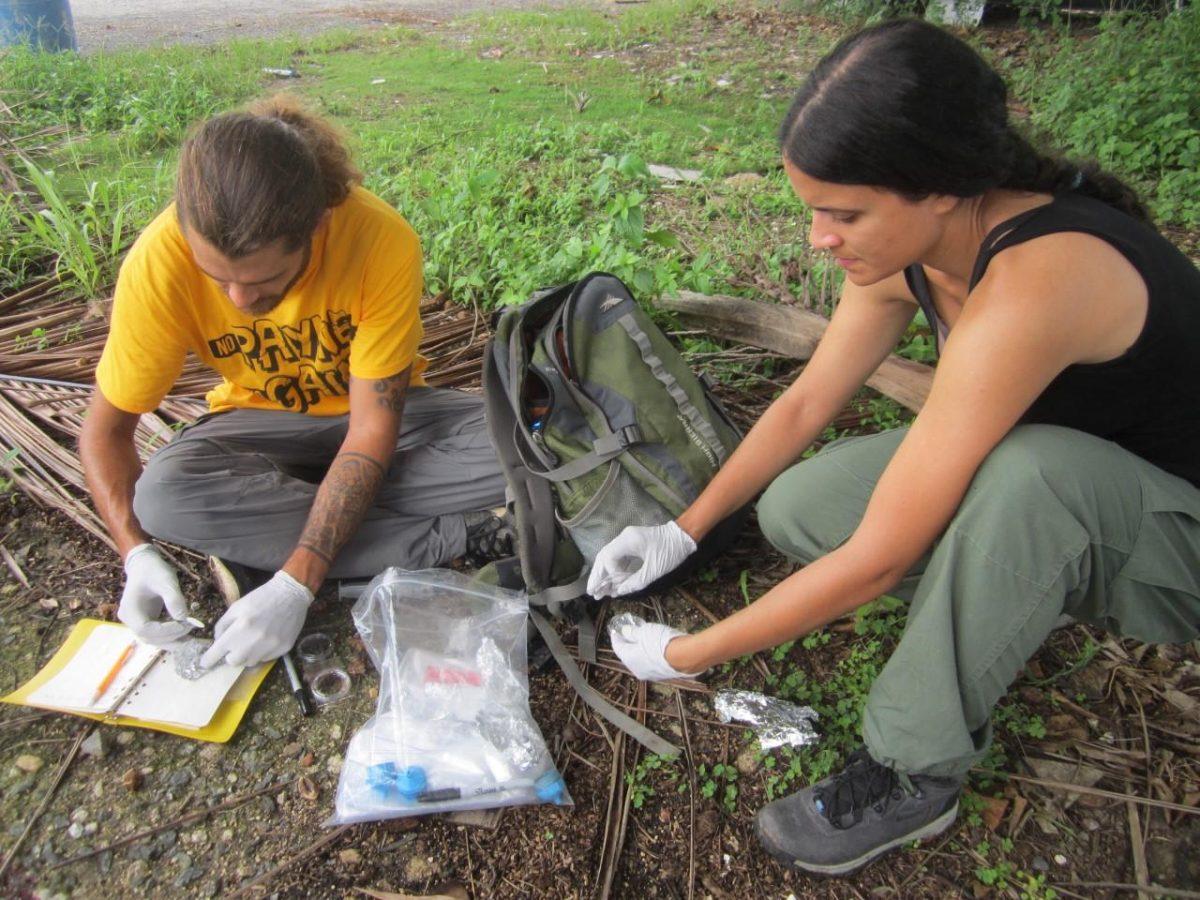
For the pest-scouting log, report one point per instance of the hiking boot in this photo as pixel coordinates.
(234, 580)
(842, 823)
(489, 537)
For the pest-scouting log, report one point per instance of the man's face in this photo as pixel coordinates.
(254, 283)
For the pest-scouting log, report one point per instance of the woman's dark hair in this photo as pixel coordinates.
(248, 179)
(908, 107)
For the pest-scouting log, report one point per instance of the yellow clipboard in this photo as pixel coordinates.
(219, 729)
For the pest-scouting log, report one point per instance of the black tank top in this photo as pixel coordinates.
(1148, 399)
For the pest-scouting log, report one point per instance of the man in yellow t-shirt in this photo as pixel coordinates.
(301, 290)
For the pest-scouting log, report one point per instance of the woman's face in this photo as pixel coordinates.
(870, 232)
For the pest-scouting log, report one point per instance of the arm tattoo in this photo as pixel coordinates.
(345, 495)
(390, 391)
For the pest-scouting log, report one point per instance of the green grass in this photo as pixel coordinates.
(518, 166)
(517, 143)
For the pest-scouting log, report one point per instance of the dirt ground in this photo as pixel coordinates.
(1126, 722)
(105, 25)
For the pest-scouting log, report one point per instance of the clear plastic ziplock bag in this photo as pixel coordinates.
(452, 729)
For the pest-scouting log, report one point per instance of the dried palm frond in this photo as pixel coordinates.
(49, 347)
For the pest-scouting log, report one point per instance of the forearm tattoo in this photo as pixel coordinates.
(345, 495)
(389, 392)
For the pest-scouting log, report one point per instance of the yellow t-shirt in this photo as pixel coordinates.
(354, 311)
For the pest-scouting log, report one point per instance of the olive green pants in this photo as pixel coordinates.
(1056, 521)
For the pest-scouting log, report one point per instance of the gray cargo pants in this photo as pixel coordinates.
(240, 484)
(1055, 521)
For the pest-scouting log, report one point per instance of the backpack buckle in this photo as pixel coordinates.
(628, 435)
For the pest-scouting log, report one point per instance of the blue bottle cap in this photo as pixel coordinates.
(381, 777)
(411, 781)
(550, 788)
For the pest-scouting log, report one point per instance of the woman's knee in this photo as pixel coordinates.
(805, 516)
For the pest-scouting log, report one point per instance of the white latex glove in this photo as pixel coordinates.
(262, 625)
(637, 557)
(151, 585)
(642, 646)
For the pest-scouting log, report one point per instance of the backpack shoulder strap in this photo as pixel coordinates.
(594, 698)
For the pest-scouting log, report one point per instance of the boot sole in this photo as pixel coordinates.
(937, 826)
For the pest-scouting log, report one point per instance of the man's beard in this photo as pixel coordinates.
(264, 305)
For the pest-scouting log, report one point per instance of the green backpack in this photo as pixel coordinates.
(598, 423)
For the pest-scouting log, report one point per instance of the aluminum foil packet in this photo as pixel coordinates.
(777, 723)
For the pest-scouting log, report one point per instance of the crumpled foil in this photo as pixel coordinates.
(777, 723)
(186, 656)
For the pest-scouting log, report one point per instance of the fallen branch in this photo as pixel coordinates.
(315, 847)
(37, 813)
(1095, 792)
(794, 332)
(175, 824)
(11, 562)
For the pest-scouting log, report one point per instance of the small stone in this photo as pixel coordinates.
(125, 738)
(291, 750)
(1060, 859)
(307, 760)
(181, 859)
(27, 762)
(188, 875)
(748, 761)
(78, 814)
(98, 789)
(336, 732)
(211, 752)
(96, 745)
(142, 850)
(743, 179)
(418, 868)
(133, 780)
(75, 830)
(21, 785)
(334, 765)
(166, 840)
(1091, 824)
(90, 827)
(266, 805)
(1040, 864)
(272, 733)
(307, 788)
(227, 835)
(350, 857)
(179, 779)
(105, 861)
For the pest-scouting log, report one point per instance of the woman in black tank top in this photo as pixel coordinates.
(1054, 469)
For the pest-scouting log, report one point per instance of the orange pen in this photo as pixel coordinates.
(113, 672)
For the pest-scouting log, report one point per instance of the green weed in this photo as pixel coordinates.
(838, 697)
(650, 767)
(999, 872)
(720, 783)
(1135, 111)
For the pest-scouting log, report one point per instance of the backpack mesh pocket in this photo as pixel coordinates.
(620, 501)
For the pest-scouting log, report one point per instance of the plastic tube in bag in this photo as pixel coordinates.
(452, 729)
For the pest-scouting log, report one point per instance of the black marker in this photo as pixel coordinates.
(298, 691)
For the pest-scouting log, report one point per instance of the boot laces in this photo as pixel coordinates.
(863, 783)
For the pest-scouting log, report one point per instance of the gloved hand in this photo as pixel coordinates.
(642, 646)
(150, 585)
(637, 557)
(262, 625)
